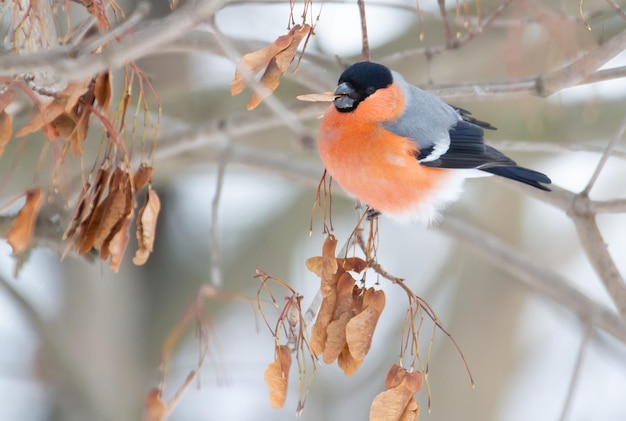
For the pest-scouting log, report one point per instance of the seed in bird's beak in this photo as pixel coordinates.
(321, 97)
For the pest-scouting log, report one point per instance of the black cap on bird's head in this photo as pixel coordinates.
(358, 82)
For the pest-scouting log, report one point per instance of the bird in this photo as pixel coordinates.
(402, 151)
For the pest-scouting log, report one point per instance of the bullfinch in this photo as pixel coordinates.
(402, 151)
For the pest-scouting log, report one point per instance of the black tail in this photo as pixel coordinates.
(521, 174)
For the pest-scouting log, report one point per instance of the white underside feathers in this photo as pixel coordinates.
(429, 211)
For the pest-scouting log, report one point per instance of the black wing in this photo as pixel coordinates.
(467, 116)
(468, 150)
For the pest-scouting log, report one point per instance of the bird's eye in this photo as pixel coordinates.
(370, 90)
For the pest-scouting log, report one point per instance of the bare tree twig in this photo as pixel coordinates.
(529, 85)
(446, 24)
(565, 200)
(242, 124)
(150, 38)
(554, 147)
(314, 75)
(222, 129)
(608, 206)
(617, 9)
(598, 254)
(311, 74)
(558, 197)
(214, 134)
(590, 237)
(604, 75)
(217, 273)
(536, 276)
(605, 157)
(140, 13)
(433, 51)
(581, 210)
(474, 20)
(146, 39)
(582, 352)
(365, 49)
(582, 68)
(78, 34)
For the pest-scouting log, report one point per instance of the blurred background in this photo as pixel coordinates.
(80, 342)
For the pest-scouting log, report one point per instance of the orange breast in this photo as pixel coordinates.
(376, 166)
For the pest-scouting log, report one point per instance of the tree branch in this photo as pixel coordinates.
(470, 36)
(524, 86)
(365, 45)
(75, 64)
(536, 276)
(216, 133)
(608, 206)
(598, 254)
(217, 272)
(582, 352)
(608, 150)
(311, 74)
(581, 211)
(584, 67)
(537, 146)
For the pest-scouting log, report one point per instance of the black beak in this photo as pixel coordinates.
(344, 97)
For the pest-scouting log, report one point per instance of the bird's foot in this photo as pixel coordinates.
(372, 214)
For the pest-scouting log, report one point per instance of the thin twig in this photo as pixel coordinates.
(444, 18)
(608, 206)
(78, 34)
(617, 9)
(582, 68)
(216, 132)
(553, 147)
(433, 51)
(217, 275)
(473, 20)
(90, 45)
(532, 85)
(605, 157)
(153, 36)
(581, 210)
(365, 45)
(145, 40)
(314, 308)
(573, 384)
(568, 201)
(536, 276)
(312, 74)
(598, 254)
